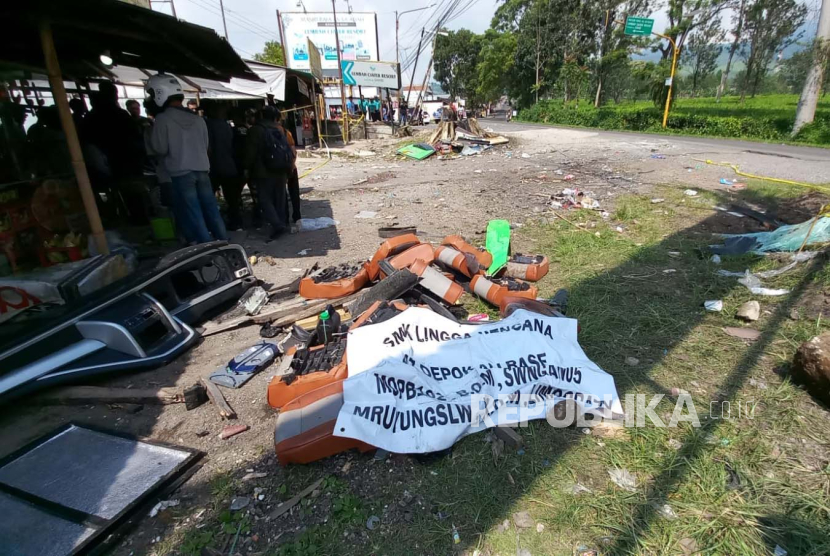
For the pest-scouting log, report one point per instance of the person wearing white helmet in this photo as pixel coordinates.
(180, 138)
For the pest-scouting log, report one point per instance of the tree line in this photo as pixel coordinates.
(576, 50)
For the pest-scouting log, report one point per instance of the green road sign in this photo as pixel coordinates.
(638, 25)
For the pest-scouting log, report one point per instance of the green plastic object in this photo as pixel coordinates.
(498, 244)
(163, 229)
(325, 315)
(418, 151)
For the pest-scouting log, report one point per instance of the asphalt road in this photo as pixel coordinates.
(813, 154)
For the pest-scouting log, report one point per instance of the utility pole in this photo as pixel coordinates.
(414, 67)
(224, 24)
(806, 111)
(340, 70)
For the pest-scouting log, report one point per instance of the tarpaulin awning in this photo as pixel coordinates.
(130, 35)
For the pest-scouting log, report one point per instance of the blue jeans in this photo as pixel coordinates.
(197, 209)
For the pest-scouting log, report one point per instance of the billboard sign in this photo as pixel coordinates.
(357, 32)
(371, 74)
(314, 62)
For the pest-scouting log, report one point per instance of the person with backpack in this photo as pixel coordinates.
(180, 140)
(268, 160)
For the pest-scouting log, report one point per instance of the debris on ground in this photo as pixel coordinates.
(522, 520)
(749, 311)
(232, 430)
(239, 503)
(715, 306)
(163, 505)
(623, 478)
(785, 238)
(632, 361)
(811, 367)
(742, 333)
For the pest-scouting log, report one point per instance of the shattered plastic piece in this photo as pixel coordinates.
(623, 479)
(665, 511)
(577, 488)
(569, 177)
(239, 503)
(716, 306)
(658, 156)
(779, 551)
(754, 284)
(303, 253)
(366, 214)
(657, 200)
(715, 259)
(690, 193)
(525, 155)
(669, 271)
(253, 300)
(456, 538)
(478, 317)
(311, 224)
(372, 522)
(163, 505)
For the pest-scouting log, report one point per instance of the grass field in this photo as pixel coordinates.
(763, 118)
(737, 485)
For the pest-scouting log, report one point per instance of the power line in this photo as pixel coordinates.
(211, 9)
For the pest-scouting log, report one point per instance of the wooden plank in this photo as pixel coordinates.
(287, 505)
(287, 317)
(83, 395)
(218, 399)
(285, 307)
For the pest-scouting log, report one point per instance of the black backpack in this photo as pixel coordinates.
(277, 154)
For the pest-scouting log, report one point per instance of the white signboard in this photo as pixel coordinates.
(371, 74)
(357, 32)
(412, 379)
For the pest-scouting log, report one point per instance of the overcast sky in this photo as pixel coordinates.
(252, 22)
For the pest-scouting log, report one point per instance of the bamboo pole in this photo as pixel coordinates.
(59, 94)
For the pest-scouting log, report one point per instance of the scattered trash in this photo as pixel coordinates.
(754, 284)
(657, 200)
(253, 300)
(569, 177)
(522, 520)
(253, 476)
(749, 311)
(311, 224)
(478, 317)
(239, 503)
(664, 510)
(658, 156)
(540, 527)
(742, 333)
(715, 306)
(303, 253)
(372, 522)
(674, 254)
(163, 505)
(669, 271)
(690, 193)
(715, 259)
(366, 214)
(796, 258)
(456, 538)
(623, 479)
(253, 260)
(779, 551)
(674, 444)
(785, 238)
(576, 489)
(244, 366)
(632, 361)
(233, 430)
(470, 150)
(525, 155)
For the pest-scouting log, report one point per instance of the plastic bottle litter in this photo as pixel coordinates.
(456, 538)
(327, 325)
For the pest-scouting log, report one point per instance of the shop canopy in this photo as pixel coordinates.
(133, 36)
(66, 39)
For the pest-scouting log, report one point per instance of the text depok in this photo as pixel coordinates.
(419, 382)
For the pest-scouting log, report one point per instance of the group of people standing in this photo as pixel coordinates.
(374, 110)
(204, 155)
(195, 152)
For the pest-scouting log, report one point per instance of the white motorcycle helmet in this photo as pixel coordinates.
(160, 87)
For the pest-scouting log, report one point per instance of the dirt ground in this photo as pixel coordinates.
(440, 197)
